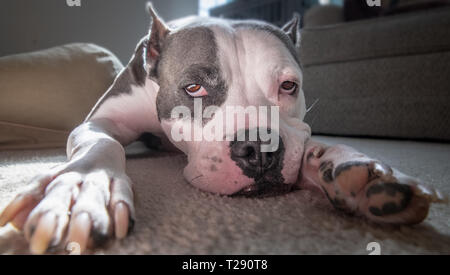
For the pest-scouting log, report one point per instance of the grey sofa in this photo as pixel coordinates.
(383, 77)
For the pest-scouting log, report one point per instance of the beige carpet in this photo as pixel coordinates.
(175, 218)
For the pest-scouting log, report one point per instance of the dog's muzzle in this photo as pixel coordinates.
(264, 167)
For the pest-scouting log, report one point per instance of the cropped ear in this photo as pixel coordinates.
(292, 29)
(155, 38)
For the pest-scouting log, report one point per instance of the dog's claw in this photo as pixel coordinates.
(79, 208)
(19, 220)
(10, 212)
(441, 198)
(431, 194)
(121, 220)
(42, 236)
(318, 151)
(79, 231)
(23, 203)
(378, 169)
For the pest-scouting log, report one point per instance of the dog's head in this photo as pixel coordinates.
(230, 97)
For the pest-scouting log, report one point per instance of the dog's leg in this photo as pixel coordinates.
(358, 184)
(87, 195)
(90, 197)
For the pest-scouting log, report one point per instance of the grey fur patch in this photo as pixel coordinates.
(189, 56)
(388, 208)
(376, 211)
(273, 30)
(375, 189)
(326, 168)
(133, 74)
(216, 159)
(99, 238)
(151, 141)
(327, 175)
(121, 85)
(390, 189)
(337, 203)
(347, 166)
(137, 63)
(292, 29)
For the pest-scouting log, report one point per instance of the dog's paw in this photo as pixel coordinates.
(68, 207)
(375, 190)
(358, 184)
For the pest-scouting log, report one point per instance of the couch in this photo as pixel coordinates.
(382, 77)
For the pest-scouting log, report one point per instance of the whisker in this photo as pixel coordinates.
(312, 105)
(199, 176)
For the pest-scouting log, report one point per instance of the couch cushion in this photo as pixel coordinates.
(386, 77)
(380, 98)
(47, 93)
(319, 15)
(413, 33)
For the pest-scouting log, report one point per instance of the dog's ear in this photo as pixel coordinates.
(292, 29)
(156, 36)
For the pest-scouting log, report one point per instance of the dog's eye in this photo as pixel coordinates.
(288, 87)
(195, 90)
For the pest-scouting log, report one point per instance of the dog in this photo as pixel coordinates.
(221, 63)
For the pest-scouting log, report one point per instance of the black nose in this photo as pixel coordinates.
(248, 156)
(248, 153)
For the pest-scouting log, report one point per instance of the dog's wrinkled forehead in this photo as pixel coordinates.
(190, 55)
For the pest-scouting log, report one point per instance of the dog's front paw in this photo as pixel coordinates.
(69, 207)
(360, 185)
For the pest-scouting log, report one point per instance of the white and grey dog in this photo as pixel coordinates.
(223, 63)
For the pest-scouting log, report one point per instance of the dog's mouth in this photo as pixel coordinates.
(265, 189)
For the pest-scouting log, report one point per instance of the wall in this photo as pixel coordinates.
(27, 25)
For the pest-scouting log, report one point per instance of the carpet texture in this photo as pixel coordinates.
(175, 218)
